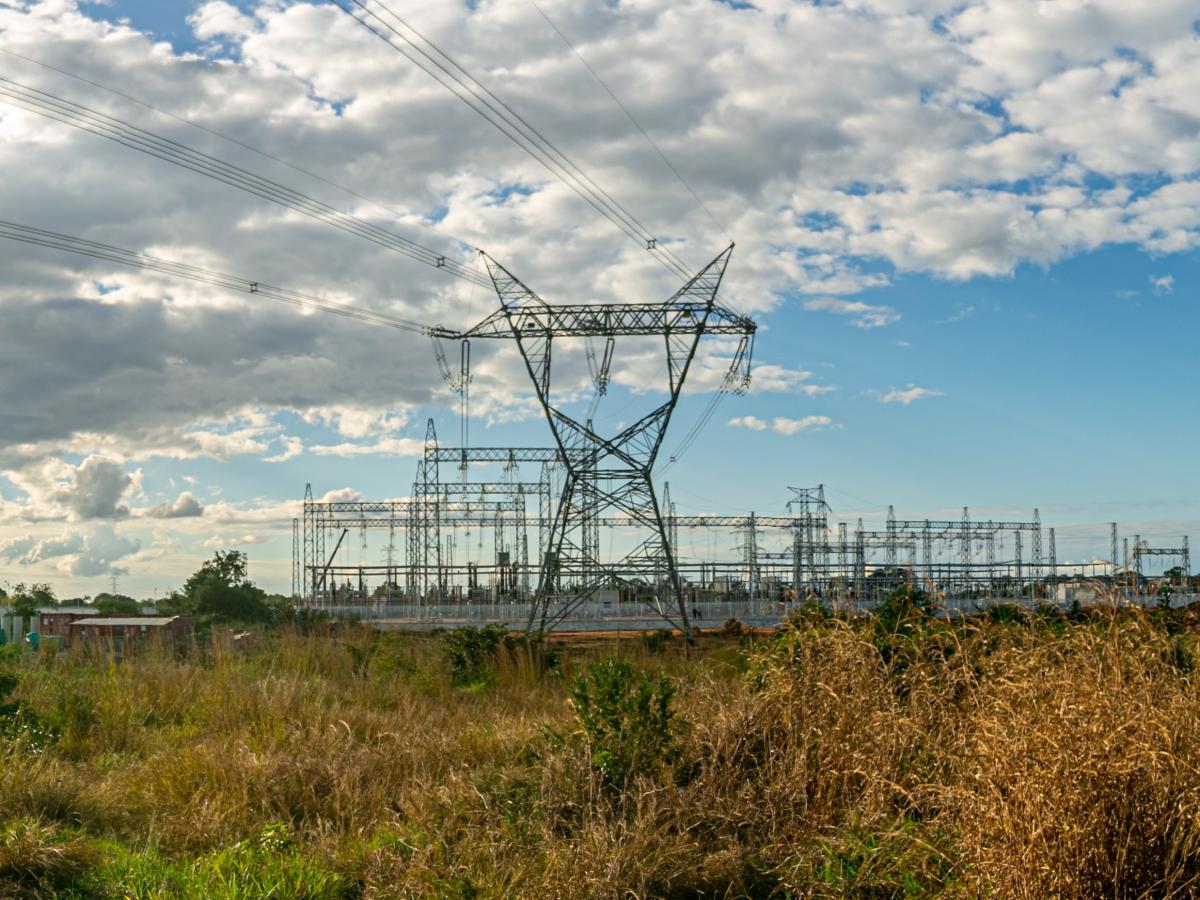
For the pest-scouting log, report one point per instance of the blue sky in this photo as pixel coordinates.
(166, 21)
(943, 353)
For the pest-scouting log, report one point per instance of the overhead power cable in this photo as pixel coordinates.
(168, 150)
(40, 237)
(212, 131)
(698, 426)
(629, 115)
(444, 69)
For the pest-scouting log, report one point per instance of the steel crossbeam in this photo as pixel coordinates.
(605, 473)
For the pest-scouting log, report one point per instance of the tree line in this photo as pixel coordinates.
(219, 592)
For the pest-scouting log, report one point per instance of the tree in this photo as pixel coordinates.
(116, 605)
(220, 592)
(24, 607)
(26, 601)
(227, 565)
(43, 595)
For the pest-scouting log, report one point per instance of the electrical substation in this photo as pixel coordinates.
(477, 551)
(575, 535)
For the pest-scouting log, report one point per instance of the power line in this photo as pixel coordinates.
(225, 137)
(454, 77)
(698, 426)
(41, 237)
(111, 128)
(493, 110)
(629, 115)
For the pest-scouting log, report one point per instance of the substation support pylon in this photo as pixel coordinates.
(610, 473)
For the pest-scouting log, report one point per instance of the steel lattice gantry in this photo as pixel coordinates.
(1180, 556)
(609, 473)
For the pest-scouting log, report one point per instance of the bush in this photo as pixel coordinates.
(627, 719)
(656, 641)
(903, 606)
(1006, 614)
(303, 618)
(19, 723)
(542, 657)
(471, 653)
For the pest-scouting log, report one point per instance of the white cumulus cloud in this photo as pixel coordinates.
(908, 395)
(185, 506)
(1163, 284)
(782, 424)
(861, 315)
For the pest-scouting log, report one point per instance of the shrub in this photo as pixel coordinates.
(533, 648)
(1005, 614)
(902, 608)
(656, 641)
(627, 719)
(471, 653)
(21, 724)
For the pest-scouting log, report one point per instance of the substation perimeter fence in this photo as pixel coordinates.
(588, 616)
(706, 614)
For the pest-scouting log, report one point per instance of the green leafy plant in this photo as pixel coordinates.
(542, 657)
(19, 723)
(471, 653)
(905, 606)
(627, 719)
(1163, 595)
(26, 601)
(906, 861)
(275, 837)
(656, 641)
(268, 865)
(1006, 614)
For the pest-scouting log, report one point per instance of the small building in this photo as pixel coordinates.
(121, 632)
(54, 622)
(49, 620)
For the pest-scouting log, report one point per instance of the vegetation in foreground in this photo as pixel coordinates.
(1012, 755)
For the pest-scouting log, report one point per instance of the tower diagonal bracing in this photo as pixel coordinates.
(610, 473)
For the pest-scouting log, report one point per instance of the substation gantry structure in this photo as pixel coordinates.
(610, 472)
(847, 563)
(1175, 560)
(424, 570)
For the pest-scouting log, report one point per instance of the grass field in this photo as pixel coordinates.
(1025, 756)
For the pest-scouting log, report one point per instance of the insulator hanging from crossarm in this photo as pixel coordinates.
(456, 382)
(464, 365)
(439, 353)
(604, 370)
(737, 379)
(593, 369)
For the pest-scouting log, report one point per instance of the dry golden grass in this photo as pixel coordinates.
(1024, 760)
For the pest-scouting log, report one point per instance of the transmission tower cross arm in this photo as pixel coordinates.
(692, 309)
(612, 320)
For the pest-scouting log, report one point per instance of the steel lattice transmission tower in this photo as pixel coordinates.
(611, 473)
